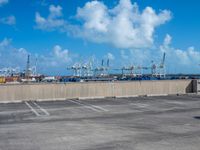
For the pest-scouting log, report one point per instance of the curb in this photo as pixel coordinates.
(98, 97)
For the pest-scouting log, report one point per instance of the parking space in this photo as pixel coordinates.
(139, 123)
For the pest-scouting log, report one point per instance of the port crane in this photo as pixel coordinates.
(76, 69)
(87, 69)
(162, 72)
(9, 71)
(158, 70)
(129, 69)
(103, 69)
(132, 70)
(153, 69)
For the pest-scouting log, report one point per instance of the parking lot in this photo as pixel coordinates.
(139, 123)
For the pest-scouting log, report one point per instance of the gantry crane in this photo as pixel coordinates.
(158, 70)
(103, 69)
(162, 71)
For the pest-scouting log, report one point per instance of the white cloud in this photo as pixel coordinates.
(190, 56)
(167, 40)
(177, 60)
(109, 56)
(53, 21)
(10, 20)
(60, 55)
(3, 2)
(180, 60)
(95, 16)
(55, 61)
(123, 26)
(11, 56)
(124, 55)
(136, 57)
(6, 42)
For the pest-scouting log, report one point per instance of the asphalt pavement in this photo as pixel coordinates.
(139, 123)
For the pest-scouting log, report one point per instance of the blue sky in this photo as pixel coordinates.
(60, 33)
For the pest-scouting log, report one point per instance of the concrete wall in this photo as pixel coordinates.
(196, 86)
(93, 89)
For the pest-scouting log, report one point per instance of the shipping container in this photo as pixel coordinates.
(2, 80)
(11, 79)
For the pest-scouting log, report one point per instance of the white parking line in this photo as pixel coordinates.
(32, 109)
(42, 109)
(84, 105)
(140, 105)
(98, 107)
(94, 106)
(176, 103)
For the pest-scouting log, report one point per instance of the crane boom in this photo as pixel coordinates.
(163, 60)
(108, 63)
(102, 63)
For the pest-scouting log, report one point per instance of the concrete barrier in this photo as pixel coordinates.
(93, 90)
(196, 86)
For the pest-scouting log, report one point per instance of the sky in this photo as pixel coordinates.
(58, 34)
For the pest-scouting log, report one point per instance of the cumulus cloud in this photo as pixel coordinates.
(137, 57)
(109, 56)
(6, 42)
(62, 54)
(123, 26)
(58, 57)
(189, 57)
(11, 56)
(177, 60)
(55, 61)
(53, 21)
(10, 20)
(3, 2)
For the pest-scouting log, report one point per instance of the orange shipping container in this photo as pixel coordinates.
(9, 79)
(12, 79)
(15, 79)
